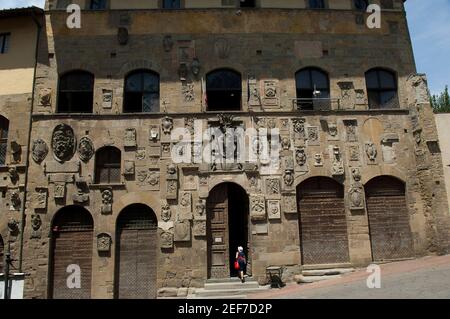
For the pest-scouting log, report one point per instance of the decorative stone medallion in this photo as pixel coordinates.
(199, 228)
(39, 150)
(182, 231)
(86, 149)
(273, 209)
(63, 143)
(257, 207)
(107, 200)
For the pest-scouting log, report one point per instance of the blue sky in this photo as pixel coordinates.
(429, 23)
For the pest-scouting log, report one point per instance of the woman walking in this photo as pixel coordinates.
(242, 262)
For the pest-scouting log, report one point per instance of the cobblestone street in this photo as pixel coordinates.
(424, 278)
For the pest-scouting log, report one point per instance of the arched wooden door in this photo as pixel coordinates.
(72, 245)
(322, 221)
(227, 229)
(390, 231)
(136, 257)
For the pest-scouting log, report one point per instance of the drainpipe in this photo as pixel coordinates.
(30, 124)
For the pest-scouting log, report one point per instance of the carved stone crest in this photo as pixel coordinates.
(45, 97)
(188, 92)
(313, 135)
(371, 152)
(130, 138)
(166, 240)
(182, 230)
(273, 186)
(86, 149)
(167, 125)
(36, 223)
(356, 196)
(199, 228)
(290, 204)
(59, 190)
(15, 200)
(300, 156)
(40, 198)
(104, 242)
(273, 209)
(166, 214)
(63, 143)
(107, 200)
(337, 168)
(299, 128)
(257, 207)
(129, 168)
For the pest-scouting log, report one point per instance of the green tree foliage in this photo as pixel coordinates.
(441, 102)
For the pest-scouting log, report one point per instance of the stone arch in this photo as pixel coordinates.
(145, 198)
(140, 64)
(136, 253)
(72, 235)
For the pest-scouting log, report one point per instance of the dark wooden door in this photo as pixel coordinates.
(72, 246)
(136, 254)
(218, 233)
(323, 224)
(1, 254)
(390, 231)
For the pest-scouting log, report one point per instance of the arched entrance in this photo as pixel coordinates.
(72, 240)
(390, 231)
(136, 258)
(227, 228)
(322, 222)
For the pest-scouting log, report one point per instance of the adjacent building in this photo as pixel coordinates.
(345, 166)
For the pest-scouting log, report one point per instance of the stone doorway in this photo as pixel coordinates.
(227, 228)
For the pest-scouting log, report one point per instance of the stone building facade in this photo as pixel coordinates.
(19, 30)
(359, 178)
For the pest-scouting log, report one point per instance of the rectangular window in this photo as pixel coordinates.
(316, 4)
(98, 4)
(4, 42)
(171, 4)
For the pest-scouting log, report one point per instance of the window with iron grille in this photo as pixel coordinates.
(4, 127)
(141, 92)
(107, 166)
(4, 42)
(317, 4)
(76, 92)
(382, 89)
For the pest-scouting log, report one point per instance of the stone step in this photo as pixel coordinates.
(327, 272)
(231, 279)
(310, 279)
(231, 285)
(326, 266)
(203, 293)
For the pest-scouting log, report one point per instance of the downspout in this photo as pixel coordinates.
(30, 124)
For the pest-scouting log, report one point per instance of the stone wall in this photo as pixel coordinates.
(341, 143)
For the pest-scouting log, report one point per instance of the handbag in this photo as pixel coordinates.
(236, 265)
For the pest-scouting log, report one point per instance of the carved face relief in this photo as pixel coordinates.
(356, 173)
(36, 222)
(107, 197)
(63, 143)
(86, 149)
(300, 156)
(371, 151)
(286, 143)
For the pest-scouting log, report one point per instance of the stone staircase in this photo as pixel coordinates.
(230, 288)
(320, 273)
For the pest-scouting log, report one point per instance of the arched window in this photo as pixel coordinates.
(361, 5)
(381, 89)
(4, 128)
(224, 90)
(1, 254)
(107, 165)
(141, 92)
(76, 92)
(313, 89)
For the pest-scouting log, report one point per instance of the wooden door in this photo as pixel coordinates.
(72, 246)
(390, 231)
(323, 224)
(136, 254)
(218, 233)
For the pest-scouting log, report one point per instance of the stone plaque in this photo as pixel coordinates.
(67, 167)
(40, 198)
(129, 168)
(166, 240)
(290, 204)
(59, 190)
(199, 228)
(107, 98)
(186, 202)
(182, 231)
(257, 207)
(356, 198)
(130, 138)
(104, 242)
(313, 135)
(273, 209)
